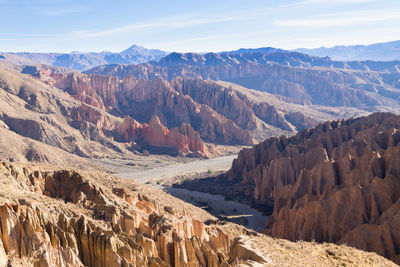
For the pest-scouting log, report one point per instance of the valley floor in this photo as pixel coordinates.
(166, 172)
(163, 175)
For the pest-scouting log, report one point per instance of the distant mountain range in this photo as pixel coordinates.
(266, 50)
(326, 57)
(83, 61)
(300, 78)
(282, 57)
(379, 52)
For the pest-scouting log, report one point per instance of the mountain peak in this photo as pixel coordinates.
(135, 49)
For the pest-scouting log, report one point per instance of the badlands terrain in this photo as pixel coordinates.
(105, 156)
(68, 218)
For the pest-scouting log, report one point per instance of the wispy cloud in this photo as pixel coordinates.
(170, 23)
(343, 19)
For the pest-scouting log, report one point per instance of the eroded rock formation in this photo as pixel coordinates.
(73, 221)
(84, 125)
(181, 140)
(70, 218)
(338, 182)
(142, 100)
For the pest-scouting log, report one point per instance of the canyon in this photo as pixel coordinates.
(314, 165)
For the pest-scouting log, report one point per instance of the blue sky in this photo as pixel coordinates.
(193, 25)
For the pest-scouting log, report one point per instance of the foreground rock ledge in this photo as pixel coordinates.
(67, 218)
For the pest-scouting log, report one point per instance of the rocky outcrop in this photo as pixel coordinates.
(300, 121)
(66, 219)
(338, 182)
(270, 115)
(181, 140)
(129, 129)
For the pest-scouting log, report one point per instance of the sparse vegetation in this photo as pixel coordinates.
(210, 171)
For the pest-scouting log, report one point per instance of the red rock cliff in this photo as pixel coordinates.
(183, 139)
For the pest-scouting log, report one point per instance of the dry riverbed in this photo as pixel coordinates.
(222, 208)
(167, 172)
(165, 175)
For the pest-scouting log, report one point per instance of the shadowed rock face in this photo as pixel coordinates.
(338, 182)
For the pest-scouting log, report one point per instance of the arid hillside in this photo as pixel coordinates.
(69, 218)
(42, 112)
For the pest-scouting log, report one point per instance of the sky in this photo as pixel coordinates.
(193, 25)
